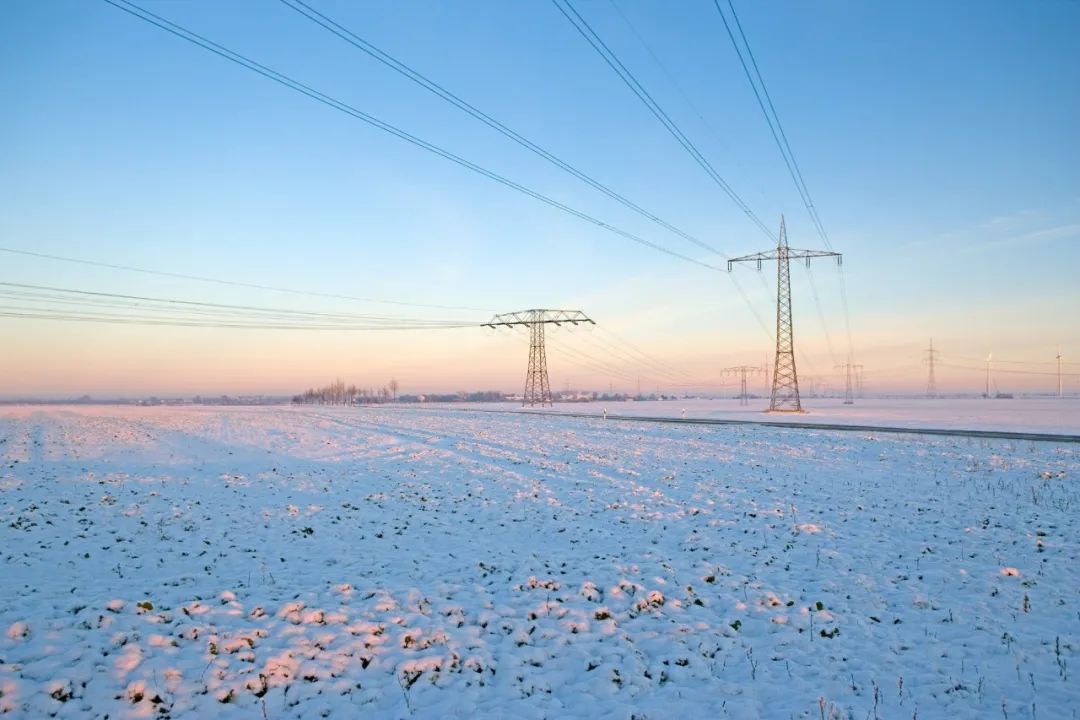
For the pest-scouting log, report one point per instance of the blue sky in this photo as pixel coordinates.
(938, 140)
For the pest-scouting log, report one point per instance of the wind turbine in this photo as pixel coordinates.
(1059, 372)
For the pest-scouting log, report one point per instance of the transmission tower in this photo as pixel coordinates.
(785, 387)
(537, 387)
(849, 392)
(742, 371)
(931, 381)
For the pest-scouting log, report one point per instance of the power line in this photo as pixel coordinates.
(678, 87)
(30, 314)
(777, 130)
(223, 52)
(641, 362)
(17, 311)
(655, 372)
(43, 301)
(232, 283)
(586, 31)
(630, 373)
(655, 366)
(195, 39)
(609, 57)
(1014, 362)
(780, 138)
(439, 90)
(56, 294)
(38, 302)
(895, 370)
(1003, 370)
(442, 92)
(646, 357)
(635, 369)
(821, 314)
(586, 359)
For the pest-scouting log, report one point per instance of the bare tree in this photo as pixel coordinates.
(394, 388)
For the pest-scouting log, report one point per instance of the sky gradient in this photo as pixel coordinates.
(938, 140)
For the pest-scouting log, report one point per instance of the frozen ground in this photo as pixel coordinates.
(280, 563)
(1046, 415)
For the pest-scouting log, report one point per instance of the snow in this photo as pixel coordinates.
(1045, 415)
(307, 562)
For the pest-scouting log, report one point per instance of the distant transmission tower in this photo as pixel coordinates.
(931, 381)
(785, 387)
(849, 391)
(742, 371)
(537, 387)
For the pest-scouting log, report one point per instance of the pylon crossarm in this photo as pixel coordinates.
(793, 253)
(790, 253)
(756, 257)
(751, 369)
(532, 317)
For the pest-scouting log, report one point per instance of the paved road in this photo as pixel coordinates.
(956, 432)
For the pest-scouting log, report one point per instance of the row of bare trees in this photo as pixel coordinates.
(338, 393)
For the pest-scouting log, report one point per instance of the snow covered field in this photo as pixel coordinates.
(1046, 415)
(307, 562)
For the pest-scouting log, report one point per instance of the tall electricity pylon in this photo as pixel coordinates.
(742, 371)
(931, 381)
(849, 392)
(785, 387)
(537, 387)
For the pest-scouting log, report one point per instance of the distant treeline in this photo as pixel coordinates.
(481, 396)
(338, 393)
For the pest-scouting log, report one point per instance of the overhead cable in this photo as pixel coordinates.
(195, 39)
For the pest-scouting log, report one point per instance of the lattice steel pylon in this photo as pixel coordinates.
(742, 371)
(537, 386)
(785, 387)
(849, 389)
(931, 380)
